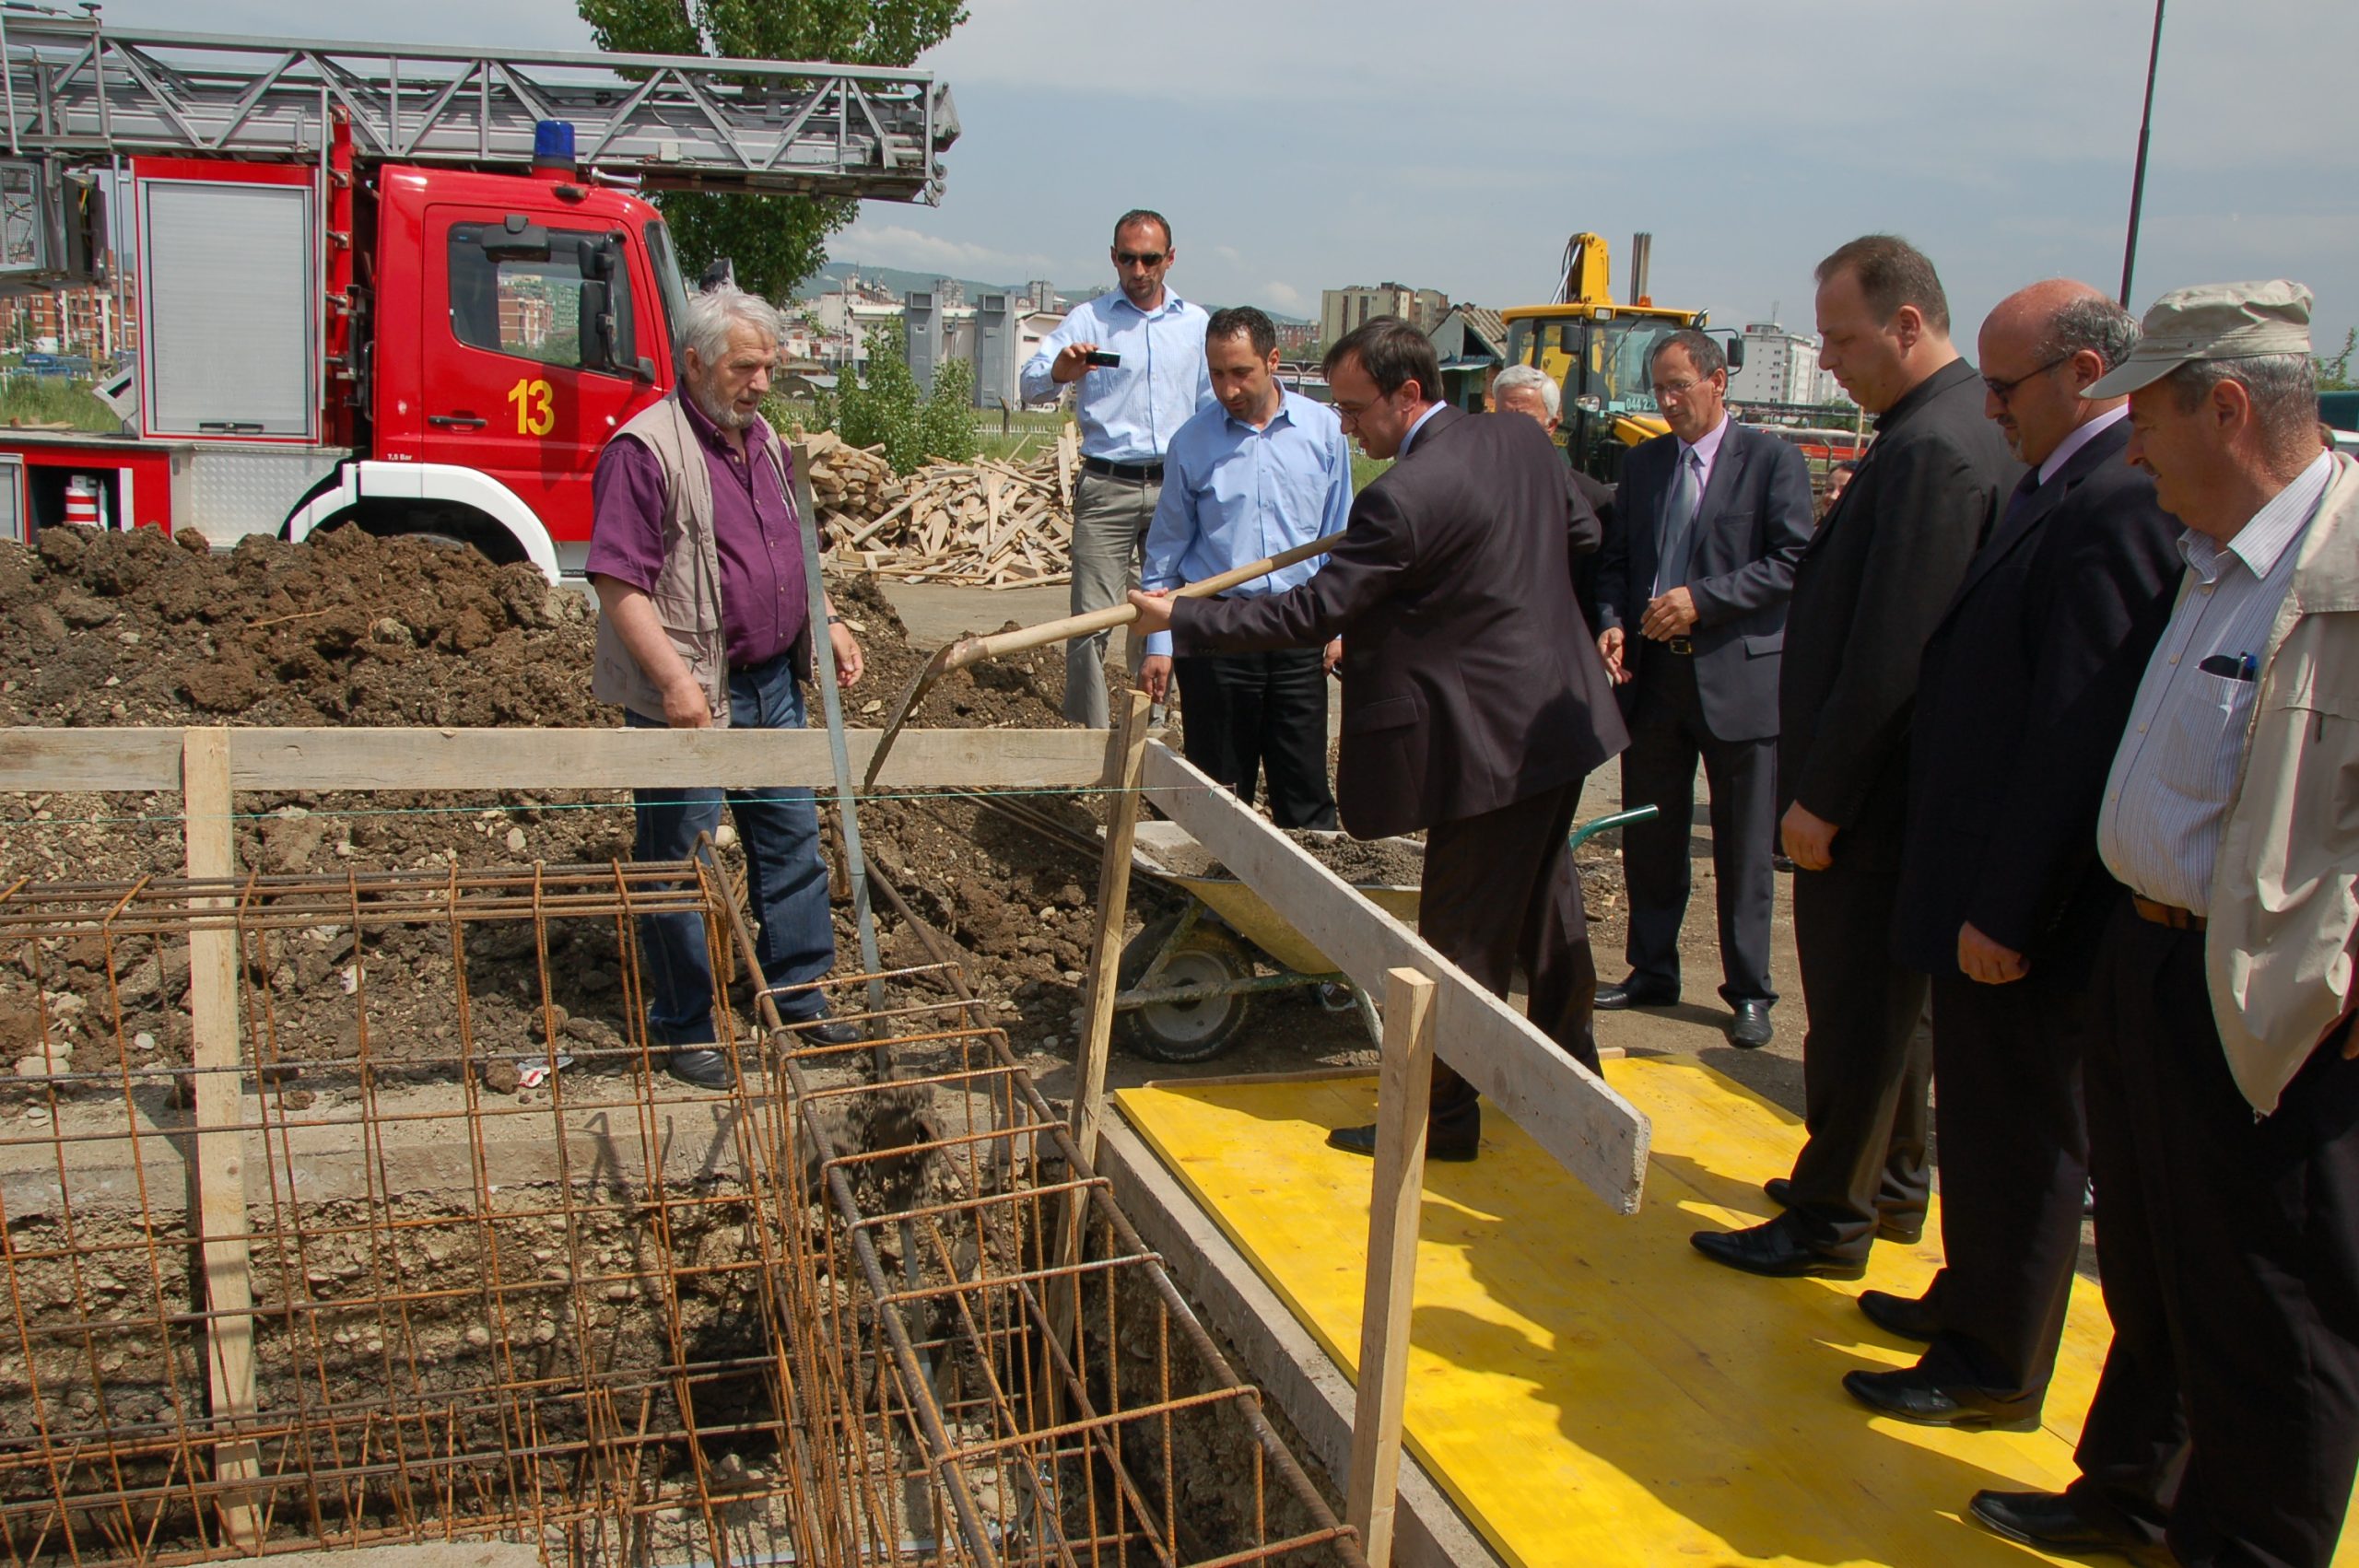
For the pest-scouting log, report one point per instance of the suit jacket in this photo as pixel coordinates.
(2021, 699)
(1470, 679)
(1750, 528)
(1867, 591)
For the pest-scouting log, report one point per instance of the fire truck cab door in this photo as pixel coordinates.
(532, 352)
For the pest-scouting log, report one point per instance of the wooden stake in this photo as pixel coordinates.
(220, 1140)
(1396, 1197)
(1128, 758)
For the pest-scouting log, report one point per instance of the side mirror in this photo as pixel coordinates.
(518, 239)
(1734, 350)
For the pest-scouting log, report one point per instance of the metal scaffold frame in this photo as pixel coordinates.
(80, 89)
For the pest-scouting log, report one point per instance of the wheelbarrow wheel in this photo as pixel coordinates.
(1184, 1031)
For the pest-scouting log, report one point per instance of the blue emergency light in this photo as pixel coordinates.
(553, 146)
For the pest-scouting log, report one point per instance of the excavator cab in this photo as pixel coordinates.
(1602, 356)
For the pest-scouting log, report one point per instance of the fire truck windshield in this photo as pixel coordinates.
(667, 281)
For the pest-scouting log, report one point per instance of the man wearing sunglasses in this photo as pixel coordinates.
(1129, 409)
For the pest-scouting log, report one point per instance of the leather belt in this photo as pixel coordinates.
(2169, 915)
(1131, 473)
(1681, 645)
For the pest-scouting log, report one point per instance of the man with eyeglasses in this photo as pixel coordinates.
(1138, 353)
(1867, 591)
(1692, 616)
(2024, 687)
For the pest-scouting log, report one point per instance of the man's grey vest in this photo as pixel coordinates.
(686, 594)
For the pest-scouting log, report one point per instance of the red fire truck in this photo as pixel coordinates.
(412, 290)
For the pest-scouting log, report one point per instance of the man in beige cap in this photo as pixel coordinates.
(2222, 1084)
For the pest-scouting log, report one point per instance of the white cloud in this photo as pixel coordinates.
(895, 245)
(1284, 296)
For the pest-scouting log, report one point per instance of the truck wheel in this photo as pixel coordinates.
(445, 527)
(1184, 1031)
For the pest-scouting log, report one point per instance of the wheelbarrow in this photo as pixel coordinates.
(1186, 983)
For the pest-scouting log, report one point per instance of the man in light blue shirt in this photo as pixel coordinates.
(1129, 409)
(1261, 472)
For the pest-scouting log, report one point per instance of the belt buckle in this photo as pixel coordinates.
(1681, 645)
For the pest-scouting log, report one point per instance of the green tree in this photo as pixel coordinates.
(776, 241)
(2334, 369)
(947, 425)
(887, 408)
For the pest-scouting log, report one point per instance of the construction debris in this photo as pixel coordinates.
(986, 523)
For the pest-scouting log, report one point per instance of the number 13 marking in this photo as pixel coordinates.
(535, 408)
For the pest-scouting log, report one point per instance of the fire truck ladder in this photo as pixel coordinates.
(77, 89)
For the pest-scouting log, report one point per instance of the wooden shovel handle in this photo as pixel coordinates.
(973, 648)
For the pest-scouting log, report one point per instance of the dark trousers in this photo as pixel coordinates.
(1246, 714)
(1667, 736)
(2230, 1251)
(786, 879)
(2014, 1165)
(1867, 1063)
(1500, 890)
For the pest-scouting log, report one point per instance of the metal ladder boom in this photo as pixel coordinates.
(82, 91)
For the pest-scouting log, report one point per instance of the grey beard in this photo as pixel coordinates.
(724, 414)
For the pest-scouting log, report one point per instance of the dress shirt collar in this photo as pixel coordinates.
(2272, 531)
(1285, 415)
(2080, 437)
(1417, 430)
(1708, 445)
(1171, 302)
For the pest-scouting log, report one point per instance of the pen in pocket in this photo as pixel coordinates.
(2232, 666)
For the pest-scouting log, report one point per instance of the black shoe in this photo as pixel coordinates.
(1775, 1250)
(705, 1068)
(1904, 1317)
(1749, 1030)
(2048, 1520)
(1456, 1148)
(1906, 1394)
(1780, 864)
(1781, 1192)
(824, 1031)
(1634, 992)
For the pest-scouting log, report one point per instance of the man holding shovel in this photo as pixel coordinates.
(1474, 703)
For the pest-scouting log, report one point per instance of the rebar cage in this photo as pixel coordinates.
(510, 1281)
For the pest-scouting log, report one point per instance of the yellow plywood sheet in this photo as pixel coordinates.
(1589, 1388)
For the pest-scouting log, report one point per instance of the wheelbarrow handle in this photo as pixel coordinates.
(1589, 830)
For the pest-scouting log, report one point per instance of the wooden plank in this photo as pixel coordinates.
(220, 1176)
(34, 759)
(1396, 1199)
(1592, 1131)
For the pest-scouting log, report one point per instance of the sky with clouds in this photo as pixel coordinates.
(1306, 143)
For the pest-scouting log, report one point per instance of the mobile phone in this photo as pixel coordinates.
(1103, 358)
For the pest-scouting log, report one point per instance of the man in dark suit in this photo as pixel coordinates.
(1868, 590)
(1474, 700)
(2022, 695)
(1691, 618)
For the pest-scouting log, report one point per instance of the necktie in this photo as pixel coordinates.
(2026, 489)
(1679, 522)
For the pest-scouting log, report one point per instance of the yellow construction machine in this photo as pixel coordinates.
(1599, 349)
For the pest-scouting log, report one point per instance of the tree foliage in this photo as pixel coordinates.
(886, 410)
(776, 241)
(947, 427)
(2334, 369)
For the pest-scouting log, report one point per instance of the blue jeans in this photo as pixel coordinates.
(786, 879)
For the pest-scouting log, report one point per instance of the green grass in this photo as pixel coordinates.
(1366, 468)
(32, 400)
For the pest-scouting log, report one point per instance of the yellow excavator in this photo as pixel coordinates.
(1598, 350)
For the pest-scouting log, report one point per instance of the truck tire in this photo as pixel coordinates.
(1184, 1031)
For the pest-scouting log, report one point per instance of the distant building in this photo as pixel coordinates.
(1472, 343)
(1296, 334)
(1780, 366)
(87, 320)
(1041, 295)
(1342, 309)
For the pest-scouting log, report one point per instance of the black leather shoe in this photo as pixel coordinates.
(1775, 1250)
(1750, 1030)
(1906, 1394)
(1457, 1150)
(2048, 1520)
(1781, 1192)
(824, 1031)
(1634, 992)
(1906, 1316)
(706, 1069)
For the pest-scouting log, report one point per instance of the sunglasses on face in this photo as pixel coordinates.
(1139, 258)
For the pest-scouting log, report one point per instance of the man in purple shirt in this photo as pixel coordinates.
(696, 554)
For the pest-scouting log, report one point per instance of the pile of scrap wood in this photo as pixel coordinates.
(985, 523)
